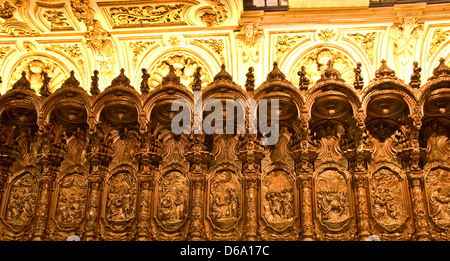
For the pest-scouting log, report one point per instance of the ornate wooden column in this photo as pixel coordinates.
(99, 158)
(251, 154)
(149, 156)
(411, 155)
(199, 158)
(358, 153)
(303, 152)
(50, 156)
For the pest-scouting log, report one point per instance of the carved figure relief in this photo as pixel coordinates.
(332, 200)
(250, 41)
(71, 206)
(121, 199)
(438, 194)
(278, 199)
(225, 199)
(21, 204)
(387, 199)
(173, 198)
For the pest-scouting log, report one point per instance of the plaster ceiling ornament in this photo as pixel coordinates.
(316, 62)
(404, 36)
(34, 67)
(57, 20)
(250, 41)
(138, 48)
(97, 38)
(327, 35)
(148, 15)
(4, 50)
(366, 42)
(217, 46)
(184, 66)
(438, 38)
(216, 14)
(284, 43)
(72, 50)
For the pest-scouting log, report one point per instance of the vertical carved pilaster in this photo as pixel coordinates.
(358, 152)
(303, 151)
(149, 156)
(411, 155)
(99, 158)
(420, 219)
(199, 158)
(305, 187)
(360, 181)
(50, 156)
(251, 154)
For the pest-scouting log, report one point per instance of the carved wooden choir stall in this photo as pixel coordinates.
(350, 162)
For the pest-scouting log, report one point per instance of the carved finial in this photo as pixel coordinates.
(144, 83)
(223, 75)
(71, 82)
(303, 81)
(442, 70)
(384, 71)
(359, 81)
(121, 80)
(171, 77)
(276, 74)
(330, 73)
(94, 83)
(22, 83)
(197, 82)
(44, 91)
(250, 83)
(415, 77)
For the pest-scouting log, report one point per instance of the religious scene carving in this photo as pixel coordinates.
(91, 91)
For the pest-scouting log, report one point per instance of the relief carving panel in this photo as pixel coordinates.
(333, 209)
(225, 200)
(438, 194)
(278, 199)
(387, 197)
(172, 200)
(21, 203)
(121, 199)
(71, 203)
